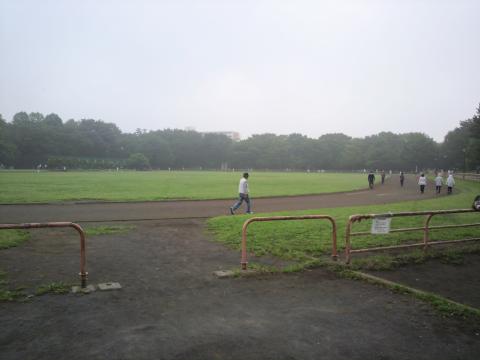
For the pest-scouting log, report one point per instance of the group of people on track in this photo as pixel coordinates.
(243, 191)
(422, 181)
(439, 182)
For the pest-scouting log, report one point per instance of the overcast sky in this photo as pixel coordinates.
(310, 67)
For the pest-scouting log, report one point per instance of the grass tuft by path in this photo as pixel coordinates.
(383, 262)
(108, 229)
(12, 238)
(57, 288)
(7, 294)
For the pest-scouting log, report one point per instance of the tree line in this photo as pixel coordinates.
(32, 139)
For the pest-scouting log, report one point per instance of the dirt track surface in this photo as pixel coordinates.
(172, 307)
(83, 212)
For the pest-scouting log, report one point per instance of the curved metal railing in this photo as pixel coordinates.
(426, 229)
(83, 273)
(244, 261)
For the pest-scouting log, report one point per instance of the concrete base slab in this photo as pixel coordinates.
(109, 286)
(224, 273)
(86, 290)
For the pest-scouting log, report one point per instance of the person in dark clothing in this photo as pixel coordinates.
(371, 179)
(402, 178)
(383, 177)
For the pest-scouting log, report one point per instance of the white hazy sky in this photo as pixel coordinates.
(311, 67)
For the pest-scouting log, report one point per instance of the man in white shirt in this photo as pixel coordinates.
(242, 195)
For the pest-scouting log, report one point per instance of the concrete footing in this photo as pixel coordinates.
(91, 288)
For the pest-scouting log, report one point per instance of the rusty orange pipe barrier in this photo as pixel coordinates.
(244, 261)
(83, 273)
(426, 230)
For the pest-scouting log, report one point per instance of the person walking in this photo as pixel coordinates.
(371, 179)
(422, 181)
(242, 195)
(438, 183)
(450, 183)
(402, 178)
(383, 177)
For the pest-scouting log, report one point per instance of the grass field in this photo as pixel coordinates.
(12, 238)
(31, 187)
(300, 240)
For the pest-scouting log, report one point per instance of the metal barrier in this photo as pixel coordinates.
(426, 230)
(244, 261)
(469, 176)
(83, 274)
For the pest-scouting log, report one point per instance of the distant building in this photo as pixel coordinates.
(234, 135)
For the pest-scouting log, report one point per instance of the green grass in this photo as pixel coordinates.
(7, 294)
(300, 240)
(32, 187)
(453, 256)
(108, 230)
(12, 238)
(56, 288)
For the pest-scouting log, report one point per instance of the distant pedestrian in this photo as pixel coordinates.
(371, 179)
(422, 181)
(242, 195)
(402, 178)
(383, 177)
(438, 183)
(450, 183)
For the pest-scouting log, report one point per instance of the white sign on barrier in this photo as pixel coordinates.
(381, 225)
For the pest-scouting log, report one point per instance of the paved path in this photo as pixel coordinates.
(84, 212)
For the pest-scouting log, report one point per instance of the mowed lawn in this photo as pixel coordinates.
(46, 186)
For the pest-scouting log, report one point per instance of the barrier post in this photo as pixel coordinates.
(83, 273)
(244, 262)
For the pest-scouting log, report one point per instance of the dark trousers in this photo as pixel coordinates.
(422, 188)
(241, 199)
(438, 188)
(449, 189)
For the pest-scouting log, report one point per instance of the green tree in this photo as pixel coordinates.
(138, 161)
(7, 148)
(461, 146)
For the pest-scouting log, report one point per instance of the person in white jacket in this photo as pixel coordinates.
(242, 195)
(422, 181)
(438, 183)
(450, 183)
